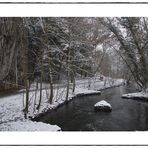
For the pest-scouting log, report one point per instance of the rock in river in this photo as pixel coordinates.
(103, 106)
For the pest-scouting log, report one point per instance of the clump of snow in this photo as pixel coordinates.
(138, 95)
(28, 126)
(102, 103)
(102, 106)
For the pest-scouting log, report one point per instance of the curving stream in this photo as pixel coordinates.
(79, 115)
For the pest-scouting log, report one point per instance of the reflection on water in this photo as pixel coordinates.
(79, 115)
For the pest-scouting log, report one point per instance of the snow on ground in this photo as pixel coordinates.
(11, 110)
(82, 91)
(138, 95)
(12, 118)
(27, 125)
(107, 83)
(11, 107)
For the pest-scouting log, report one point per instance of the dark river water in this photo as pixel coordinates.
(79, 114)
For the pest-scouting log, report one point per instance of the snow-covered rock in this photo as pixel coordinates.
(139, 96)
(103, 106)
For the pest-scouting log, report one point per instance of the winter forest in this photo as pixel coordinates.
(73, 74)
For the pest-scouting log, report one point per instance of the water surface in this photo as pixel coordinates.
(79, 114)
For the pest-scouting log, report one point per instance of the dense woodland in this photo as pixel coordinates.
(56, 47)
(60, 50)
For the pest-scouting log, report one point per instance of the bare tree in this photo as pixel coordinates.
(132, 36)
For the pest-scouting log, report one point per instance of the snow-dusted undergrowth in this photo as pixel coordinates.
(11, 114)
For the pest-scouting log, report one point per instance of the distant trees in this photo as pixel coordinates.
(132, 34)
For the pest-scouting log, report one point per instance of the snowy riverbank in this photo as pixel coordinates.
(137, 96)
(12, 117)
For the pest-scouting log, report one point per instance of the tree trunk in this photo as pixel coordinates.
(27, 98)
(36, 91)
(16, 70)
(68, 75)
(41, 79)
(51, 86)
(74, 85)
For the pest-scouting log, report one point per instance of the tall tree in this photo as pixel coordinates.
(132, 35)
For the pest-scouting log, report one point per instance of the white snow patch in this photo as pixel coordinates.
(102, 103)
(28, 126)
(11, 108)
(12, 117)
(139, 95)
(85, 91)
